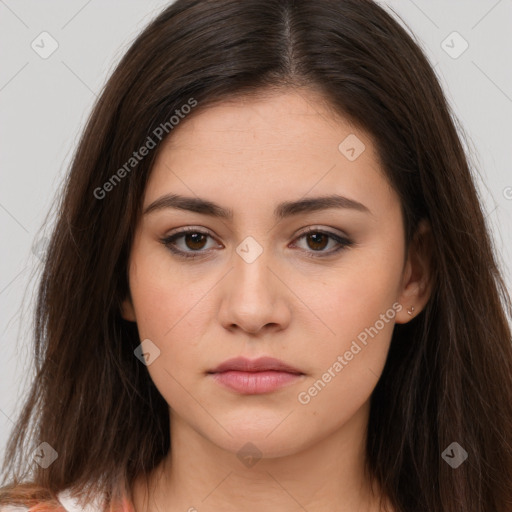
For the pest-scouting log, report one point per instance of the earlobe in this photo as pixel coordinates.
(127, 310)
(418, 274)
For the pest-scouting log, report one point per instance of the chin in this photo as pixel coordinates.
(268, 437)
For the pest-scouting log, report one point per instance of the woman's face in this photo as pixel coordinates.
(259, 285)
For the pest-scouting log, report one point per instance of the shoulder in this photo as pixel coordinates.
(43, 506)
(71, 503)
(36, 506)
(64, 501)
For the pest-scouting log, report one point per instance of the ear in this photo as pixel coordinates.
(418, 274)
(127, 310)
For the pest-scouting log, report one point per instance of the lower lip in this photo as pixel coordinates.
(252, 383)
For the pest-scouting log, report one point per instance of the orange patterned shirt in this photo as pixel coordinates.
(66, 503)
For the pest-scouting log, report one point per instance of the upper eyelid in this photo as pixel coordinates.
(205, 231)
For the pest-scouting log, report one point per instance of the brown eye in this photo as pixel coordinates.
(188, 243)
(318, 241)
(195, 241)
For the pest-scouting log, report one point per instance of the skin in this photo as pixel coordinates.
(249, 154)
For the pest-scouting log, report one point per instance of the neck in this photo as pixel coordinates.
(198, 475)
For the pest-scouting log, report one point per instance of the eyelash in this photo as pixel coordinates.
(170, 240)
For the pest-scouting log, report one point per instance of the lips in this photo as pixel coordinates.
(253, 377)
(262, 364)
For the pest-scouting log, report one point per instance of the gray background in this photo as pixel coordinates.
(44, 103)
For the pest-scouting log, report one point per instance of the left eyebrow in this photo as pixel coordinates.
(283, 210)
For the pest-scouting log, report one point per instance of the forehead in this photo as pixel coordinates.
(284, 120)
(285, 145)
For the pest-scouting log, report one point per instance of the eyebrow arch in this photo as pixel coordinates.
(283, 210)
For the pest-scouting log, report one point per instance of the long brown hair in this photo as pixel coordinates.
(448, 373)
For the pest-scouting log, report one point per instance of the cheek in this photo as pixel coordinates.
(168, 309)
(359, 307)
(167, 301)
(347, 365)
(173, 310)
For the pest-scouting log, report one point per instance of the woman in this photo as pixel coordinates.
(271, 285)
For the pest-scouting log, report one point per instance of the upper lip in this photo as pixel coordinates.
(254, 365)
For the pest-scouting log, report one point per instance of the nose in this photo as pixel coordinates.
(254, 298)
